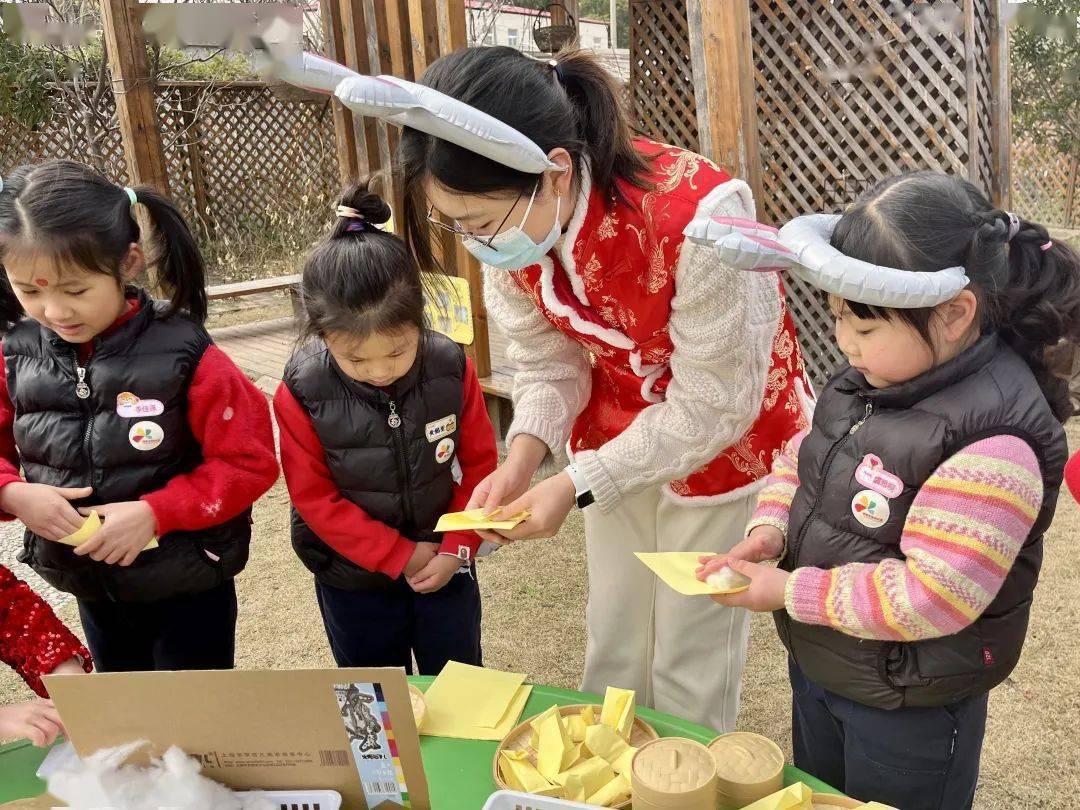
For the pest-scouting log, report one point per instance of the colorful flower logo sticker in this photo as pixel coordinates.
(870, 508)
(444, 450)
(145, 435)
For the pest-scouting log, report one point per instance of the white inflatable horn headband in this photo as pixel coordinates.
(802, 248)
(413, 105)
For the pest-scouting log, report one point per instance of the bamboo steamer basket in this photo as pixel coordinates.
(419, 706)
(734, 753)
(520, 739)
(673, 774)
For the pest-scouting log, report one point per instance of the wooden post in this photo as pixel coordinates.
(391, 24)
(1070, 193)
(723, 64)
(191, 138)
(424, 25)
(344, 127)
(972, 92)
(356, 35)
(1001, 111)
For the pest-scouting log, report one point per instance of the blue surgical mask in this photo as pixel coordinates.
(513, 249)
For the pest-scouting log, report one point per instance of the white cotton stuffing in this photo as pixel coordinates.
(727, 580)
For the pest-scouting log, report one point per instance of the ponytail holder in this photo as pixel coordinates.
(1014, 225)
(348, 213)
(356, 225)
(555, 66)
(1047, 246)
(131, 195)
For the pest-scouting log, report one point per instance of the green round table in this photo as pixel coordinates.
(458, 771)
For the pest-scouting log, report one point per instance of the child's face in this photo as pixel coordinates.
(886, 351)
(76, 304)
(380, 359)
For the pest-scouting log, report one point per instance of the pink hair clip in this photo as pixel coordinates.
(1047, 246)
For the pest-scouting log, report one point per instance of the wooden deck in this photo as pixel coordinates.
(262, 349)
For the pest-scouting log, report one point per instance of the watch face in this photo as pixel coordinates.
(585, 499)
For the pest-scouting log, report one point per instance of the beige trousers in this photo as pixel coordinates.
(682, 654)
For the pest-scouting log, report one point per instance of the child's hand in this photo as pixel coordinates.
(766, 591)
(435, 574)
(45, 510)
(73, 666)
(421, 556)
(34, 720)
(763, 543)
(128, 526)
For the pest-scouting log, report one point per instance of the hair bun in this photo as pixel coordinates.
(366, 201)
(994, 224)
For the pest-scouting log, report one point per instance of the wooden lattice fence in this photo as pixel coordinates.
(1044, 184)
(244, 165)
(846, 93)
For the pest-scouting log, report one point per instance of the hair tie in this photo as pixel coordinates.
(1049, 244)
(348, 213)
(131, 195)
(1014, 225)
(555, 66)
(356, 225)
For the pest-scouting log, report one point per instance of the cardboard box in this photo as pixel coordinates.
(259, 729)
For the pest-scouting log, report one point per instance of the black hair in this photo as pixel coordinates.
(927, 221)
(84, 220)
(360, 280)
(577, 107)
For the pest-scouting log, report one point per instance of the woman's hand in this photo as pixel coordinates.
(763, 543)
(34, 720)
(548, 504)
(128, 526)
(766, 591)
(510, 480)
(45, 510)
(436, 573)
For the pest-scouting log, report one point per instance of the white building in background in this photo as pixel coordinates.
(513, 26)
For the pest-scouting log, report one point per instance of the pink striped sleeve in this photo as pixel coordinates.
(962, 534)
(774, 501)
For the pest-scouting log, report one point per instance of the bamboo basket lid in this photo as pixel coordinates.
(674, 772)
(520, 739)
(747, 761)
(419, 706)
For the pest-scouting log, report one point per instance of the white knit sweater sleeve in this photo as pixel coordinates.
(553, 377)
(723, 322)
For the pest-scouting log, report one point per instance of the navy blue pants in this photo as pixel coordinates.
(385, 628)
(914, 759)
(185, 632)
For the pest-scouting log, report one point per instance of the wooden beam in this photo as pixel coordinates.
(424, 26)
(394, 54)
(1001, 110)
(723, 65)
(191, 138)
(453, 33)
(344, 127)
(971, 90)
(356, 35)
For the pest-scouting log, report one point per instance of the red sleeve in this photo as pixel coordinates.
(9, 454)
(477, 455)
(338, 522)
(32, 640)
(230, 419)
(1072, 475)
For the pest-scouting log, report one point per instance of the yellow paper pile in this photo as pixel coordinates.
(476, 519)
(473, 703)
(798, 797)
(580, 758)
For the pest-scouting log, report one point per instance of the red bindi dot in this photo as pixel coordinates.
(41, 282)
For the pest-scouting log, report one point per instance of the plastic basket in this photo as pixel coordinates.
(513, 800)
(301, 799)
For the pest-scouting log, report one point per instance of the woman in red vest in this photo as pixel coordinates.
(671, 379)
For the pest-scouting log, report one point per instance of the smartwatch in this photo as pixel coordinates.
(581, 487)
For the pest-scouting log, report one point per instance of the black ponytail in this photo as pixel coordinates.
(574, 105)
(84, 220)
(360, 280)
(1027, 284)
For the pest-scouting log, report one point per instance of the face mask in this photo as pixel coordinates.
(513, 249)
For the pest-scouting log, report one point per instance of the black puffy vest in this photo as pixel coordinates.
(913, 427)
(392, 470)
(70, 441)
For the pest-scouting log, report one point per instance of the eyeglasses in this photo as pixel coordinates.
(486, 241)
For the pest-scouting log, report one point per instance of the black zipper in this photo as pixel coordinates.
(394, 420)
(824, 476)
(82, 393)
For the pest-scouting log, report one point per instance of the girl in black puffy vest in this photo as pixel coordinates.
(383, 430)
(908, 522)
(113, 402)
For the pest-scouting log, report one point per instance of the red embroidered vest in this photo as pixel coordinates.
(614, 298)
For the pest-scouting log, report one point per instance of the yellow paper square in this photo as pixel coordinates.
(475, 519)
(463, 728)
(464, 699)
(678, 569)
(793, 797)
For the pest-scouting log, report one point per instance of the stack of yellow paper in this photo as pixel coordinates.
(580, 758)
(793, 797)
(475, 519)
(90, 527)
(473, 703)
(679, 570)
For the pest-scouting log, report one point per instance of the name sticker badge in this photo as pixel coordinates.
(873, 475)
(129, 405)
(440, 428)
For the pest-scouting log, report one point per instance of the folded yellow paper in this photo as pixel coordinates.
(614, 792)
(554, 745)
(476, 519)
(521, 774)
(618, 710)
(793, 797)
(604, 741)
(474, 703)
(90, 527)
(679, 570)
